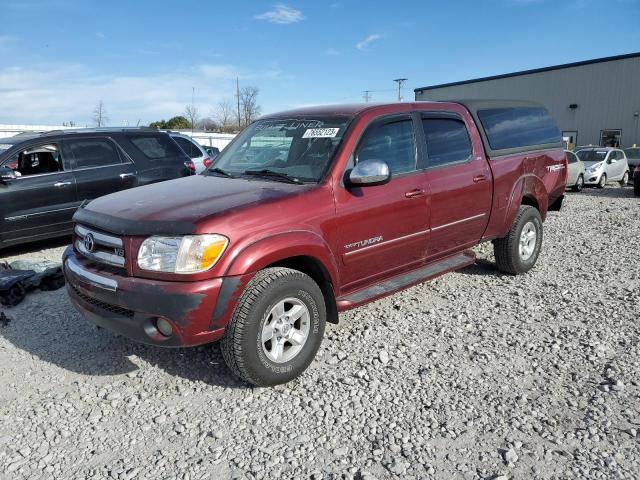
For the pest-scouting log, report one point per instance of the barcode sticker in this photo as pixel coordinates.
(320, 133)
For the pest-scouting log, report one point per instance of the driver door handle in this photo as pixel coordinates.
(125, 176)
(416, 192)
(61, 184)
(479, 178)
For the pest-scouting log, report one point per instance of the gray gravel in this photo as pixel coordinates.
(474, 375)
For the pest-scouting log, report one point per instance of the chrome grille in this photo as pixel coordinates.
(99, 247)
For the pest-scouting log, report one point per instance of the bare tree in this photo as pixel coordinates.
(192, 115)
(100, 117)
(225, 114)
(249, 108)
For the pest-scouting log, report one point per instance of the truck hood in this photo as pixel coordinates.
(176, 207)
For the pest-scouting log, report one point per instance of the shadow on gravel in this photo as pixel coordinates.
(46, 327)
(608, 192)
(35, 246)
(482, 267)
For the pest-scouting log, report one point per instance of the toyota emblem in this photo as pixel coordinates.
(89, 243)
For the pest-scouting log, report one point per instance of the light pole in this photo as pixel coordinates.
(400, 81)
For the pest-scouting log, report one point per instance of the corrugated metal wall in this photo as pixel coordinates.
(607, 95)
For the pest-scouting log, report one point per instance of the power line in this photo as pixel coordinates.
(367, 95)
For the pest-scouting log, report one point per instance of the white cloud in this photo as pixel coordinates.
(332, 52)
(54, 93)
(364, 44)
(101, 35)
(281, 14)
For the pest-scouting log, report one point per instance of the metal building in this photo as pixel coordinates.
(594, 102)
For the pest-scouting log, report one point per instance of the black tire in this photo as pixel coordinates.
(507, 249)
(579, 185)
(242, 346)
(625, 179)
(636, 185)
(603, 181)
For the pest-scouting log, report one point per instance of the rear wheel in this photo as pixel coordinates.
(625, 179)
(518, 251)
(579, 185)
(603, 181)
(276, 328)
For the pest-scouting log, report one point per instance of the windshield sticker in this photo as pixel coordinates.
(321, 133)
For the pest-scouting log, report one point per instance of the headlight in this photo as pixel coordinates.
(186, 254)
(595, 167)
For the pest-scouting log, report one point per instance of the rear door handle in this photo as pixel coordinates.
(124, 176)
(479, 178)
(416, 192)
(61, 184)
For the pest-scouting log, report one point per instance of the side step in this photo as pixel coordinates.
(400, 282)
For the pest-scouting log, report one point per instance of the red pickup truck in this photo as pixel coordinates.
(311, 212)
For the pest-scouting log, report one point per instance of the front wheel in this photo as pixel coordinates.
(625, 179)
(276, 328)
(518, 251)
(579, 185)
(603, 181)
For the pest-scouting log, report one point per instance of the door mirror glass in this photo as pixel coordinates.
(370, 172)
(7, 174)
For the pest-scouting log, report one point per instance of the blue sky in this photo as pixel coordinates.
(58, 58)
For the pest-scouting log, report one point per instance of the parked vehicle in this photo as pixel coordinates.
(633, 158)
(604, 164)
(193, 149)
(575, 172)
(311, 212)
(45, 177)
(636, 181)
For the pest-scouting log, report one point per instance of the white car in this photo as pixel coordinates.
(193, 149)
(604, 164)
(575, 172)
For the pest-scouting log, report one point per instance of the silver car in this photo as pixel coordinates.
(575, 172)
(604, 164)
(196, 152)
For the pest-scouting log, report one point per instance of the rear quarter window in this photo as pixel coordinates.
(518, 127)
(155, 147)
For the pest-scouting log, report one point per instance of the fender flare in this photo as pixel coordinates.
(531, 187)
(274, 248)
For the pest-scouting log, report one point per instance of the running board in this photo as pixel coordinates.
(400, 282)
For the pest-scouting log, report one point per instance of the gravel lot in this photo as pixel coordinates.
(474, 375)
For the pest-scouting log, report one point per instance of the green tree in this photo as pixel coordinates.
(175, 123)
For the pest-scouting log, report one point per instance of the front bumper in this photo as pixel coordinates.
(592, 178)
(130, 306)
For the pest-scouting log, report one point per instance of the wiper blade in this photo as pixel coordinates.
(219, 171)
(275, 175)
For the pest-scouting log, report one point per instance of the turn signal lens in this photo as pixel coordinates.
(187, 254)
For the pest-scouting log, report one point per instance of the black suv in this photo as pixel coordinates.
(45, 177)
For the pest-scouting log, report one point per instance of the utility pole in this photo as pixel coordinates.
(238, 95)
(400, 81)
(193, 92)
(367, 96)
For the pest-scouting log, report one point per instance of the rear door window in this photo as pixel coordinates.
(516, 127)
(447, 141)
(93, 152)
(188, 146)
(393, 143)
(155, 147)
(571, 158)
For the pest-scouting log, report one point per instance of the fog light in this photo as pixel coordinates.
(164, 327)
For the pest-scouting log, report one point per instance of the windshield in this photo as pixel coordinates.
(592, 155)
(301, 148)
(631, 152)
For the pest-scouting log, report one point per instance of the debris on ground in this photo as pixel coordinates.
(21, 276)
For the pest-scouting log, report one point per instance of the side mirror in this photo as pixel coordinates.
(369, 173)
(6, 174)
